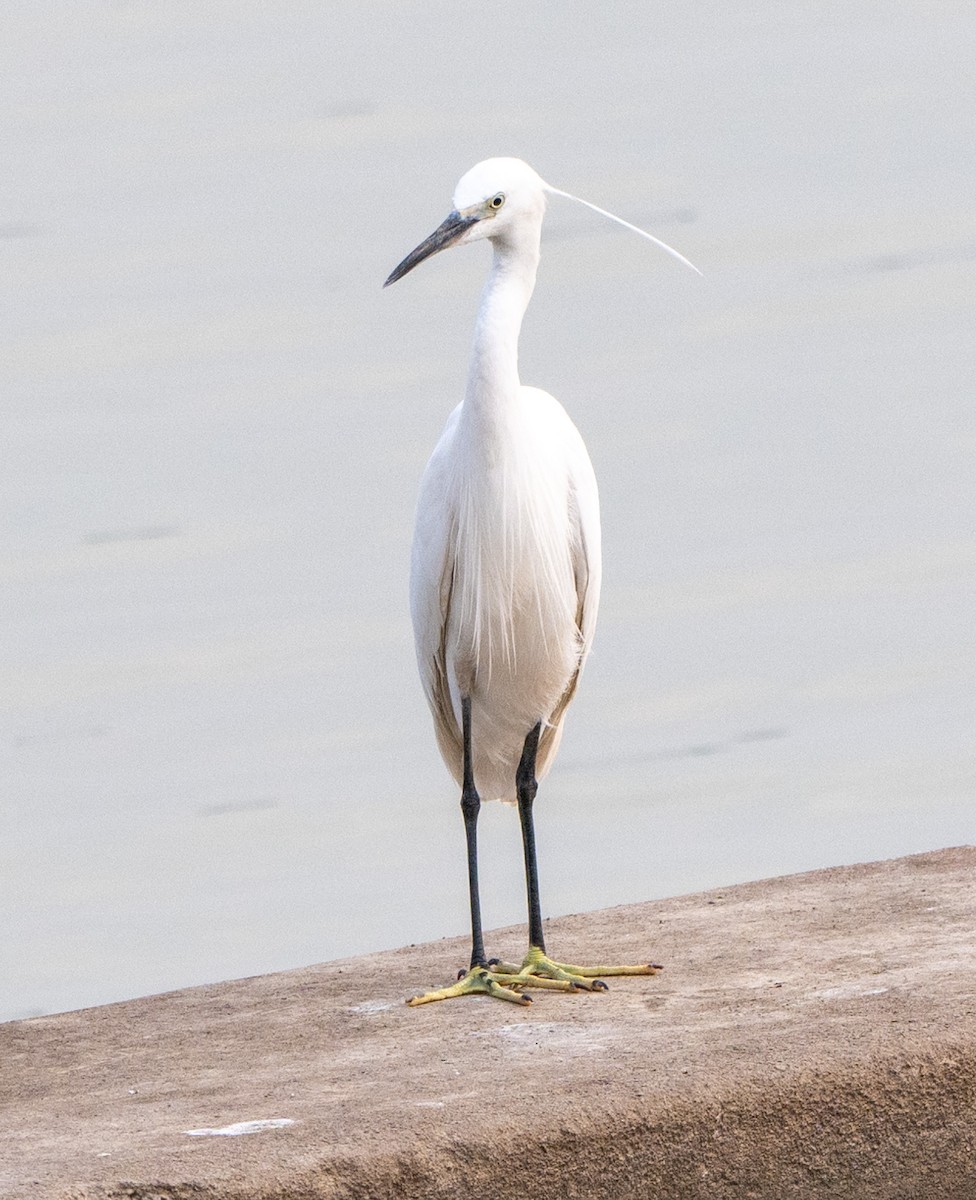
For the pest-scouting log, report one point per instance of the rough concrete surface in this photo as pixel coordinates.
(811, 1036)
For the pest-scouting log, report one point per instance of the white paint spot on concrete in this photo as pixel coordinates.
(372, 1006)
(569, 1038)
(241, 1128)
(850, 992)
(442, 1103)
(531, 1033)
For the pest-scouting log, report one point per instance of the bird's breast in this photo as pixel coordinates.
(513, 603)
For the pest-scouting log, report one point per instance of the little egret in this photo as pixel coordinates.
(505, 573)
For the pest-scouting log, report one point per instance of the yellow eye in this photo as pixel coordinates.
(497, 201)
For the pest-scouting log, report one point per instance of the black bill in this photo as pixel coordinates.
(446, 234)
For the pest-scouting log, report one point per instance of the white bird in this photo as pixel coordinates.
(505, 572)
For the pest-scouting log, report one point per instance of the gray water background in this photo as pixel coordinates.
(215, 759)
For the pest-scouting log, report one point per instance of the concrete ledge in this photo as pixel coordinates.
(812, 1036)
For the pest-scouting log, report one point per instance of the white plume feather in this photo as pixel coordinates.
(626, 224)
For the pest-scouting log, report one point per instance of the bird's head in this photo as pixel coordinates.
(490, 201)
(502, 198)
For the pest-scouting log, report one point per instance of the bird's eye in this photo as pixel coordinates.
(497, 201)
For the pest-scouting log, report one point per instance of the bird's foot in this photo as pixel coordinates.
(539, 970)
(504, 982)
(478, 981)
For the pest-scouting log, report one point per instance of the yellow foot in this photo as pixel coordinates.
(502, 981)
(479, 980)
(505, 981)
(538, 969)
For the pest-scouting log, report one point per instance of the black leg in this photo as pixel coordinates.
(526, 788)
(470, 807)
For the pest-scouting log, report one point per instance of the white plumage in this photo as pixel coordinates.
(505, 576)
(505, 580)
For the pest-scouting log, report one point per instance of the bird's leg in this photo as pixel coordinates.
(525, 789)
(470, 808)
(537, 964)
(478, 978)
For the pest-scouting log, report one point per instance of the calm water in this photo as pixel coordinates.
(216, 760)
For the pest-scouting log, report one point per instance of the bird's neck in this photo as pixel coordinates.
(493, 379)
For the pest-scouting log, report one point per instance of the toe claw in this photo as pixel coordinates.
(599, 986)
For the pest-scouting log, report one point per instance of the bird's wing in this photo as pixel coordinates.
(587, 560)
(431, 588)
(585, 550)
